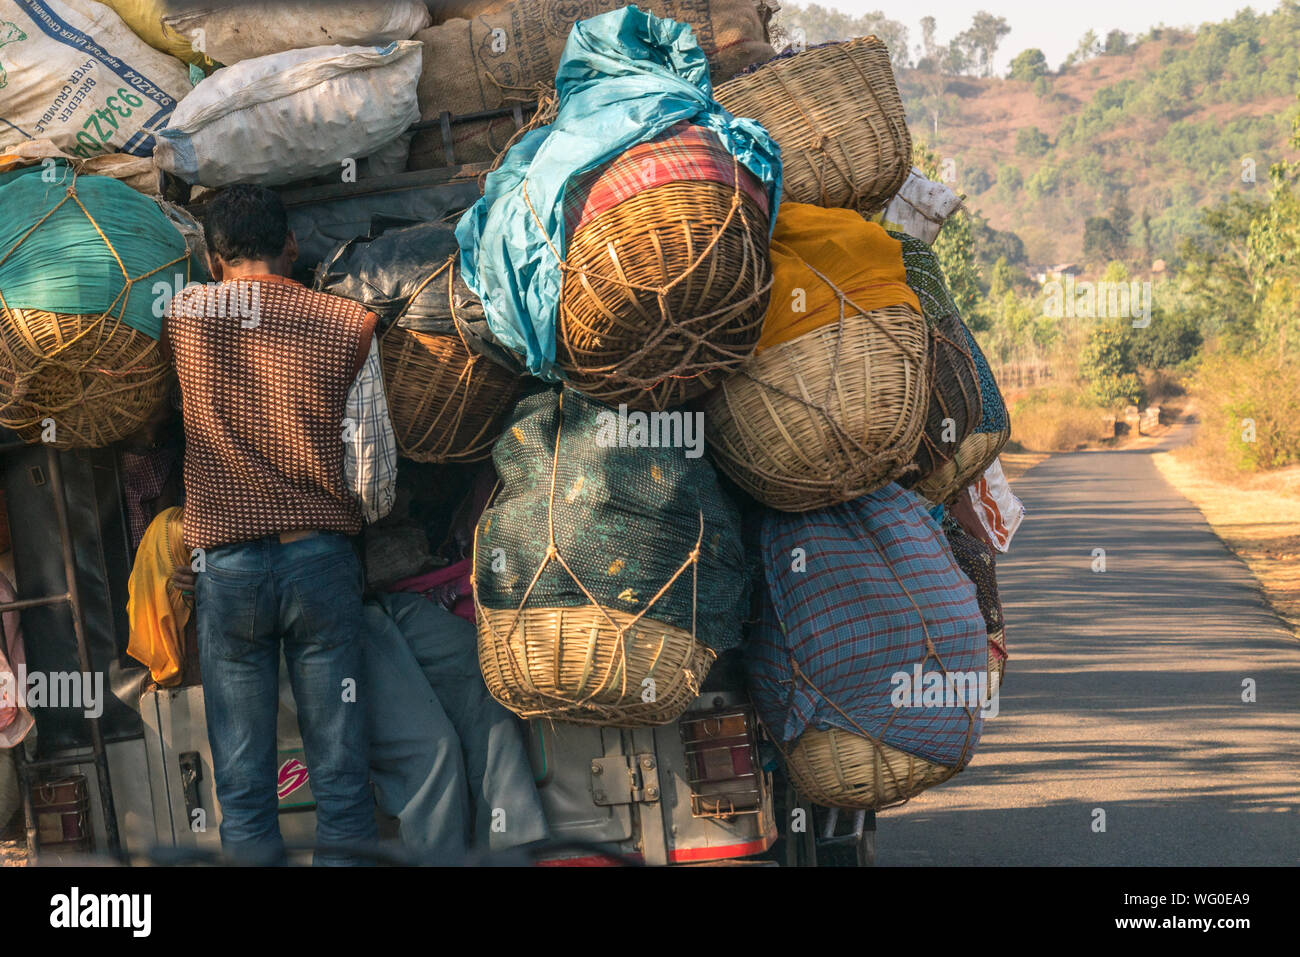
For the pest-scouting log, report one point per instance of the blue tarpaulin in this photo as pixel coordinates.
(624, 77)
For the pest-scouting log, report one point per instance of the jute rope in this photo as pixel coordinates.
(619, 658)
(877, 742)
(139, 375)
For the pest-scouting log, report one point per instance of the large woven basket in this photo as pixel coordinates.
(588, 665)
(975, 454)
(446, 403)
(664, 295)
(954, 409)
(836, 112)
(98, 379)
(837, 768)
(826, 417)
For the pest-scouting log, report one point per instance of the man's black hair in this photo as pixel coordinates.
(246, 222)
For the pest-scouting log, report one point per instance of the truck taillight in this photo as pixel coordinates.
(722, 762)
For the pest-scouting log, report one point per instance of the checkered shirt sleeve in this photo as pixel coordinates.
(369, 447)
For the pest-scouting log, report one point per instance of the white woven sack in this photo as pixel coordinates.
(233, 32)
(73, 73)
(293, 115)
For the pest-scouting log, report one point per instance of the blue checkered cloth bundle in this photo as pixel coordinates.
(847, 622)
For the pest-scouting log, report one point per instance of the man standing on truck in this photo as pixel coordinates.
(288, 447)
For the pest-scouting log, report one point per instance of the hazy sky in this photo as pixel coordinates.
(1055, 28)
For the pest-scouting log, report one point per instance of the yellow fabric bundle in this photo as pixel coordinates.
(859, 257)
(157, 612)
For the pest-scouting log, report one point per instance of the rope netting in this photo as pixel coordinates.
(94, 375)
(597, 678)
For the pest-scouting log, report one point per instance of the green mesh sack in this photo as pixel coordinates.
(626, 520)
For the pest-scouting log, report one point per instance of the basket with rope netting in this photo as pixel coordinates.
(446, 401)
(954, 407)
(606, 580)
(828, 416)
(663, 294)
(91, 375)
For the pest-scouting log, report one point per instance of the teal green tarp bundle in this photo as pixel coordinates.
(624, 77)
(65, 265)
(626, 517)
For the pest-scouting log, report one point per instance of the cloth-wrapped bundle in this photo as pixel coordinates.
(674, 276)
(85, 264)
(978, 562)
(981, 447)
(609, 571)
(868, 665)
(446, 401)
(833, 403)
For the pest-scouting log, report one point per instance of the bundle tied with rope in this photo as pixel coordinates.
(953, 471)
(608, 574)
(836, 111)
(448, 383)
(87, 265)
(954, 407)
(868, 664)
(666, 276)
(978, 561)
(833, 403)
(621, 247)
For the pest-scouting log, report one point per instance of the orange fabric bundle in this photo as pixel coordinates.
(157, 612)
(859, 257)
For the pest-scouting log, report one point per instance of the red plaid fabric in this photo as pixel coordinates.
(682, 153)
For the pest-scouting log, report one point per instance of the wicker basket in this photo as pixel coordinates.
(954, 398)
(446, 403)
(836, 112)
(98, 379)
(587, 665)
(664, 295)
(972, 457)
(838, 768)
(827, 417)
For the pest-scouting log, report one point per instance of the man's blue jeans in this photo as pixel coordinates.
(249, 597)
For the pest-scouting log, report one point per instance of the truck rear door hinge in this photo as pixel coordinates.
(624, 779)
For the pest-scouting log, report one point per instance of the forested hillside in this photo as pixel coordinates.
(1136, 133)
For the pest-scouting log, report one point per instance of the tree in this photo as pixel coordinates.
(1117, 41)
(1215, 279)
(1031, 141)
(981, 40)
(1028, 65)
(935, 64)
(816, 24)
(1088, 48)
(1273, 255)
(955, 250)
(1105, 238)
(1101, 240)
(1107, 363)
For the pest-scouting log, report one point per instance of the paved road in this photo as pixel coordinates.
(1123, 692)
